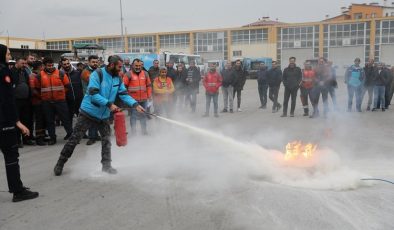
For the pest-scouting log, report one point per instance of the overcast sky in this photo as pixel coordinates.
(79, 18)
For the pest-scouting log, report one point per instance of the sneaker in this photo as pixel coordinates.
(383, 109)
(231, 111)
(239, 110)
(90, 142)
(278, 107)
(25, 194)
(368, 108)
(224, 111)
(373, 110)
(216, 115)
(283, 115)
(109, 170)
(67, 136)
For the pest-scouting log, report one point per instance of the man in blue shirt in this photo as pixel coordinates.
(104, 85)
(354, 78)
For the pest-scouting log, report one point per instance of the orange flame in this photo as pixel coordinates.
(296, 150)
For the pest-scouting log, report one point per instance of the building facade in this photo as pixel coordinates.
(364, 31)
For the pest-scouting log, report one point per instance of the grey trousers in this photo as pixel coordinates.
(228, 98)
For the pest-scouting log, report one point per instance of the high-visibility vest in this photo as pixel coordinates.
(308, 78)
(138, 86)
(53, 85)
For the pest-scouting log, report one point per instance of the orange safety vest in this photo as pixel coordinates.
(53, 85)
(138, 86)
(35, 91)
(308, 78)
(162, 90)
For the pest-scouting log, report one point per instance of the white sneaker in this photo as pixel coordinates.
(239, 110)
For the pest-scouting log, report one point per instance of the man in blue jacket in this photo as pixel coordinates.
(104, 85)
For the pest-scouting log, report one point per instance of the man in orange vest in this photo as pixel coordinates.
(212, 82)
(139, 87)
(93, 64)
(53, 84)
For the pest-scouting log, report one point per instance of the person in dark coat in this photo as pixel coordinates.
(262, 80)
(228, 89)
(192, 85)
(239, 74)
(379, 90)
(371, 71)
(292, 77)
(274, 80)
(75, 94)
(9, 123)
(23, 99)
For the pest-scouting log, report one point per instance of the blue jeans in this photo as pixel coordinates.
(379, 92)
(140, 116)
(331, 92)
(316, 91)
(358, 91)
(214, 97)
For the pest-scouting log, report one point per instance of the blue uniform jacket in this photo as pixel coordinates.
(100, 95)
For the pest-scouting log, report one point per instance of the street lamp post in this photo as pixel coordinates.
(121, 26)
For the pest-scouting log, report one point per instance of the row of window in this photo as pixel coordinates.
(175, 41)
(249, 36)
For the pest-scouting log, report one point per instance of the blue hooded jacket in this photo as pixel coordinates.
(101, 94)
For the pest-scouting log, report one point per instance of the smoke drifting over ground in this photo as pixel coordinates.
(207, 159)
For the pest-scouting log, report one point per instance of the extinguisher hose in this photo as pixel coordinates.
(377, 179)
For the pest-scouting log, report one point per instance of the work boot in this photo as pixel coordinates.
(59, 166)
(90, 142)
(25, 194)
(52, 141)
(306, 112)
(108, 169)
(67, 136)
(40, 142)
(224, 111)
(29, 142)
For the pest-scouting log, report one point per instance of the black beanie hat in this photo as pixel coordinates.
(3, 52)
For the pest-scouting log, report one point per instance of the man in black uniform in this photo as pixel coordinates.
(9, 122)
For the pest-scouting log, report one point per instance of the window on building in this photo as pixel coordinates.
(58, 45)
(175, 41)
(300, 37)
(142, 44)
(237, 53)
(373, 15)
(113, 44)
(358, 16)
(249, 36)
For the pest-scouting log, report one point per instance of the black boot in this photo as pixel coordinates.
(58, 170)
(25, 194)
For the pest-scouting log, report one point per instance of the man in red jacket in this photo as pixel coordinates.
(212, 82)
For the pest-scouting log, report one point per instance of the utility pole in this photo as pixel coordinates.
(121, 25)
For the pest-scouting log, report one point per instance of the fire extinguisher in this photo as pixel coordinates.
(120, 128)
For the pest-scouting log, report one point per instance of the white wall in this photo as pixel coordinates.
(300, 54)
(17, 44)
(176, 50)
(344, 57)
(255, 50)
(387, 54)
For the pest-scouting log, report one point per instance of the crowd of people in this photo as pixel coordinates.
(37, 96)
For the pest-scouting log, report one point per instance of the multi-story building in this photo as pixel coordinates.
(362, 30)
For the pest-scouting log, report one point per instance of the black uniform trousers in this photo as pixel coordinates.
(293, 93)
(59, 108)
(9, 148)
(24, 108)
